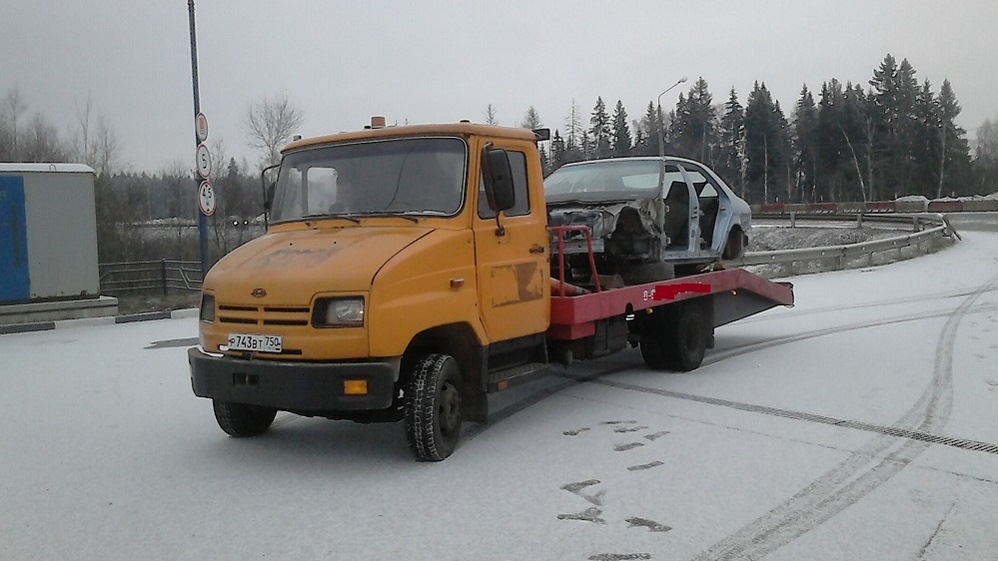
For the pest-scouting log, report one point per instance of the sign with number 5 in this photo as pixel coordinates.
(203, 161)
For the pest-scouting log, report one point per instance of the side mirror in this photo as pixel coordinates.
(268, 193)
(268, 198)
(498, 176)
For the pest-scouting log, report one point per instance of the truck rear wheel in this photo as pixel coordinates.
(433, 407)
(240, 419)
(676, 339)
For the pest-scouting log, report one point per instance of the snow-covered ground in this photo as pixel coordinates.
(777, 447)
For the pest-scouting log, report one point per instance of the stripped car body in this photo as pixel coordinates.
(648, 210)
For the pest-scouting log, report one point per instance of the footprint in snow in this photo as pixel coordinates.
(641, 467)
(650, 524)
(629, 429)
(591, 514)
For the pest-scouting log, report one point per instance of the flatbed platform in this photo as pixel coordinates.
(736, 293)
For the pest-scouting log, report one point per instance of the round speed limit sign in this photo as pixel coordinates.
(203, 161)
(201, 126)
(206, 199)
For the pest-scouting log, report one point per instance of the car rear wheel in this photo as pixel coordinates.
(734, 248)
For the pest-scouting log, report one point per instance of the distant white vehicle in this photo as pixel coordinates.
(645, 211)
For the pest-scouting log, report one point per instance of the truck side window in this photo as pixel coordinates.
(518, 163)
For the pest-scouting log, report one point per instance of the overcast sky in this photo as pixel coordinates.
(431, 61)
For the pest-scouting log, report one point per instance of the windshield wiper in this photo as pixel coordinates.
(384, 215)
(329, 216)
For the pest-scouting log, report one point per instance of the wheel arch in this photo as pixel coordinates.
(457, 340)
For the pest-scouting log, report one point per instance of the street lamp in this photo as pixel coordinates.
(661, 133)
(661, 137)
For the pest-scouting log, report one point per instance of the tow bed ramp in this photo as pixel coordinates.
(737, 294)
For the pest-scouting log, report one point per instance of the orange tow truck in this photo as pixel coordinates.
(406, 273)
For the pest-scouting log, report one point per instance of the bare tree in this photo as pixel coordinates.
(270, 123)
(39, 142)
(13, 107)
(93, 140)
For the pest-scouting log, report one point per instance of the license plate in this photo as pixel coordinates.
(256, 343)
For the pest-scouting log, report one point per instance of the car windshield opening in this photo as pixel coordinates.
(624, 180)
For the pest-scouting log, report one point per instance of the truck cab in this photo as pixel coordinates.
(404, 270)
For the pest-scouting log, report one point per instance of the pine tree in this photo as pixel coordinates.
(692, 131)
(490, 115)
(621, 139)
(531, 120)
(599, 130)
(954, 162)
(986, 158)
(766, 142)
(732, 144)
(651, 124)
(557, 151)
(805, 131)
(895, 94)
(573, 129)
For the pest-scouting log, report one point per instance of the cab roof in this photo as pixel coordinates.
(460, 129)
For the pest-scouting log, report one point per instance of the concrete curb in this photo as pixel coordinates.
(32, 327)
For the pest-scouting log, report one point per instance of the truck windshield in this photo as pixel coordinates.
(407, 176)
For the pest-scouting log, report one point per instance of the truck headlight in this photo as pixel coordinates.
(207, 314)
(338, 312)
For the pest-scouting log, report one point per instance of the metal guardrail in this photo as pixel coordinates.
(939, 227)
(160, 275)
(164, 275)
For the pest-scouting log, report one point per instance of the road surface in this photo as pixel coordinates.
(860, 424)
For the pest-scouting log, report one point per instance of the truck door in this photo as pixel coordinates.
(14, 283)
(513, 268)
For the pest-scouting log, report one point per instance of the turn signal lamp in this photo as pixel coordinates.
(354, 387)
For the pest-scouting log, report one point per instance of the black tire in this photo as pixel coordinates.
(433, 407)
(652, 350)
(239, 419)
(676, 339)
(734, 248)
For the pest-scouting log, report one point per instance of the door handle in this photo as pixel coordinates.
(537, 249)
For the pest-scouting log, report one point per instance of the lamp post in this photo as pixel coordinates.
(661, 133)
(661, 137)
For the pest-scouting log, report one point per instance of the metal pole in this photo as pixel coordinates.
(202, 219)
(661, 135)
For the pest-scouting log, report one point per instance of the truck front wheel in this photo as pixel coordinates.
(240, 419)
(433, 407)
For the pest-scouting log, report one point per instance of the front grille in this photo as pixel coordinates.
(242, 314)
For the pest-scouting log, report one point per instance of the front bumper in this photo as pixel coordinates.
(301, 387)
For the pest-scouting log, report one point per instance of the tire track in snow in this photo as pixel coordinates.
(573, 380)
(860, 473)
(739, 350)
(918, 299)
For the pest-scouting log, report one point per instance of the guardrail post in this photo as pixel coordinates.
(162, 273)
(793, 219)
(859, 220)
